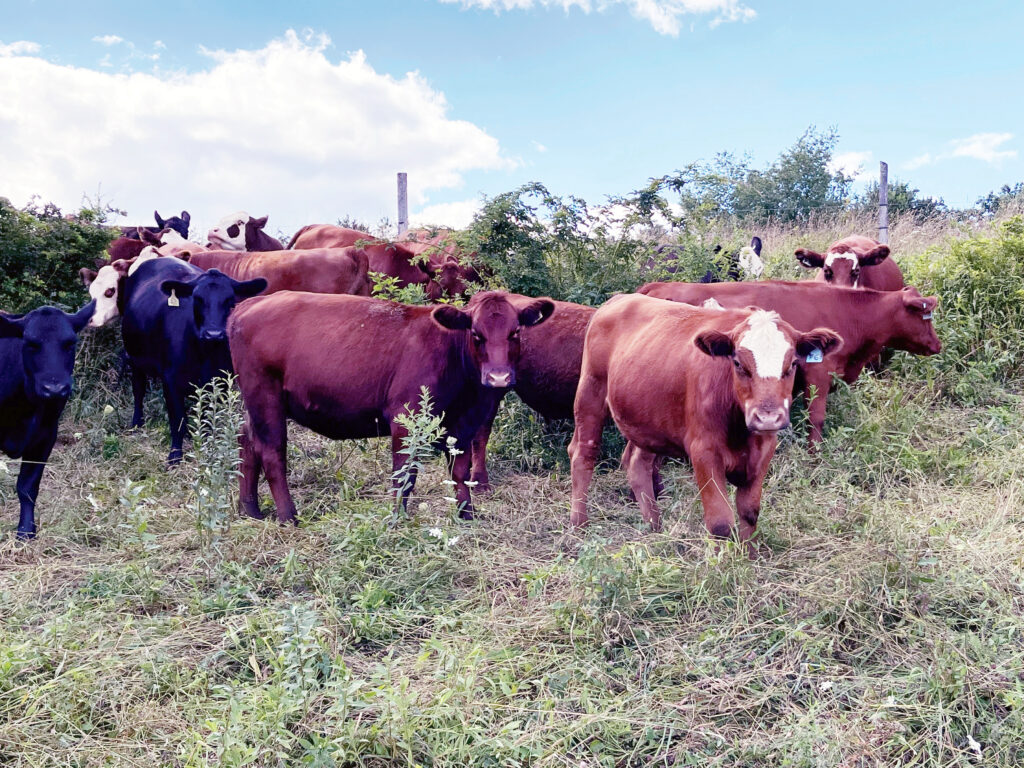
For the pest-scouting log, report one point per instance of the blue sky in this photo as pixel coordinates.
(590, 103)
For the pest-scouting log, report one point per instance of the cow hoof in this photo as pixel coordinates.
(254, 512)
(26, 534)
(466, 514)
(483, 487)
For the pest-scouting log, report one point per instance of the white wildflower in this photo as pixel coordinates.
(437, 533)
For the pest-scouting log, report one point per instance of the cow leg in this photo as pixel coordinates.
(640, 472)
(709, 473)
(29, 476)
(659, 485)
(479, 454)
(816, 408)
(249, 479)
(267, 428)
(460, 466)
(177, 419)
(138, 395)
(591, 410)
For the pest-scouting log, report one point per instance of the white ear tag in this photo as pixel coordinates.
(927, 317)
(172, 300)
(815, 356)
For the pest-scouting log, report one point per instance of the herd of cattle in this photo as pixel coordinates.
(705, 371)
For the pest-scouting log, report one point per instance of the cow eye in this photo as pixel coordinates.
(478, 338)
(109, 292)
(828, 273)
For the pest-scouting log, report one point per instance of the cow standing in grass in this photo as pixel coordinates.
(37, 359)
(854, 262)
(708, 384)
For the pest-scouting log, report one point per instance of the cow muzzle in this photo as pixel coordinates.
(212, 334)
(54, 390)
(767, 419)
(499, 379)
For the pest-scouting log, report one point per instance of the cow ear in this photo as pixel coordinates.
(714, 343)
(121, 266)
(824, 339)
(80, 318)
(10, 327)
(87, 275)
(159, 221)
(179, 288)
(810, 259)
(186, 218)
(150, 237)
(915, 302)
(755, 244)
(452, 318)
(259, 223)
(874, 256)
(250, 288)
(536, 312)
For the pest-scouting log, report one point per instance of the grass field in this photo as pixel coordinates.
(881, 625)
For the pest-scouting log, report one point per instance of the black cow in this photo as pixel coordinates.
(178, 223)
(37, 358)
(174, 328)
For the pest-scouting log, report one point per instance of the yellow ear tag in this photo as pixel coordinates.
(172, 300)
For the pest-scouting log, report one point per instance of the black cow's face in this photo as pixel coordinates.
(178, 223)
(494, 324)
(214, 295)
(49, 337)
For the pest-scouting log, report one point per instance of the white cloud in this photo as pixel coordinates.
(984, 147)
(456, 215)
(108, 39)
(919, 162)
(850, 163)
(280, 130)
(664, 15)
(538, 146)
(18, 48)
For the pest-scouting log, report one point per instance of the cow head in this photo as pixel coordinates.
(749, 258)
(494, 323)
(178, 223)
(842, 264)
(48, 339)
(450, 276)
(214, 295)
(913, 329)
(105, 289)
(765, 352)
(229, 234)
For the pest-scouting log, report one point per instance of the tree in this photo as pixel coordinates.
(903, 199)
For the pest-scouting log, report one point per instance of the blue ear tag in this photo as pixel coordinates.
(815, 356)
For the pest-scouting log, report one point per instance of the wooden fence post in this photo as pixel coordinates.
(403, 204)
(883, 203)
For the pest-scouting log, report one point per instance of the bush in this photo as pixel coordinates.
(41, 251)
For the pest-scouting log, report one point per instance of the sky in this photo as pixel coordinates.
(305, 110)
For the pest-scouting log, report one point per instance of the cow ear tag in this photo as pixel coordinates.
(815, 356)
(172, 300)
(927, 317)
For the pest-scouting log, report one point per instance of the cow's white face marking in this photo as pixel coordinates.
(712, 304)
(831, 258)
(750, 262)
(170, 237)
(104, 290)
(222, 238)
(767, 344)
(785, 403)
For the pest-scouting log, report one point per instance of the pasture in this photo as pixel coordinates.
(881, 624)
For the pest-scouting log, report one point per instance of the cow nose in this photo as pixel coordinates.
(498, 379)
(213, 335)
(55, 389)
(768, 420)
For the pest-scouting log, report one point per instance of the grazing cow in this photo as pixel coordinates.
(174, 329)
(746, 262)
(867, 320)
(398, 260)
(854, 262)
(708, 384)
(241, 232)
(547, 372)
(347, 366)
(37, 358)
(321, 270)
(177, 223)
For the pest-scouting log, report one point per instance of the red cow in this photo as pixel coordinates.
(854, 262)
(124, 248)
(346, 366)
(547, 372)
(447, 264)
(708, 384)
(867, 320)
(321, 270)
(393, 259)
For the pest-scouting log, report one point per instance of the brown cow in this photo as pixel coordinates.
(711, 385)
(320, 270)
(124, 248)
(867, 320)
(346, 366)
(547, 372)
(854, 262)
(447, 264)
(393, 259)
